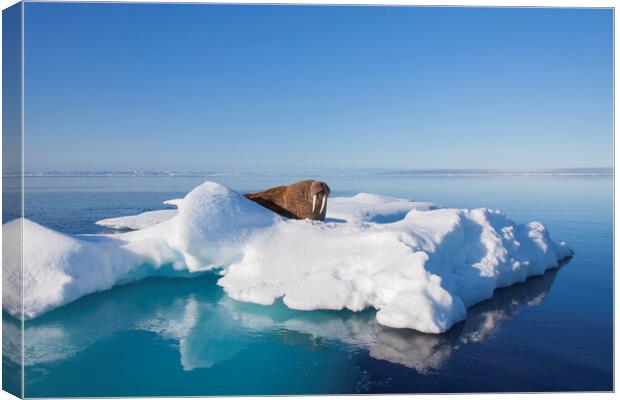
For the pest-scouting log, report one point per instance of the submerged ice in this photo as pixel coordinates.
(418, 265)
(185, 312)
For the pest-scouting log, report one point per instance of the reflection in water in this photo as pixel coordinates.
(209, 327)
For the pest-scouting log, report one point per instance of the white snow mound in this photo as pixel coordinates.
(418, 265)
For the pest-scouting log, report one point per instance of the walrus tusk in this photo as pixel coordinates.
(323, 204)
(313, 202)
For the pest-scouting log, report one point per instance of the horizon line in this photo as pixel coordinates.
(581, 171)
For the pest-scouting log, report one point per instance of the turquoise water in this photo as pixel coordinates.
(186, 337)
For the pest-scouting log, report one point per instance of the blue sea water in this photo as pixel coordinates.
(186, 337)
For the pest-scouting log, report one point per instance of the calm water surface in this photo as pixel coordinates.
(186, 337)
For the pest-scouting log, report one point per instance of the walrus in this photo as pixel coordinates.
(301, 200)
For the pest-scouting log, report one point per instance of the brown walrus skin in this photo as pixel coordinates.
(301, 200)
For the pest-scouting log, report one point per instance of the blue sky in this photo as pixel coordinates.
(211, 87)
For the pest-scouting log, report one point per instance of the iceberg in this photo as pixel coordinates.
(418, 265)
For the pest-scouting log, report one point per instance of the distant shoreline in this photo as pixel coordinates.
(382, 172)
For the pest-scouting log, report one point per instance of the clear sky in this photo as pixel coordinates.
(209, 87)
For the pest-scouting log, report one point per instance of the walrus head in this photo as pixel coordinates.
(319, 191)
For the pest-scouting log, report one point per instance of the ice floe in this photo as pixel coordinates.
(418, 265)
(140, 221)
